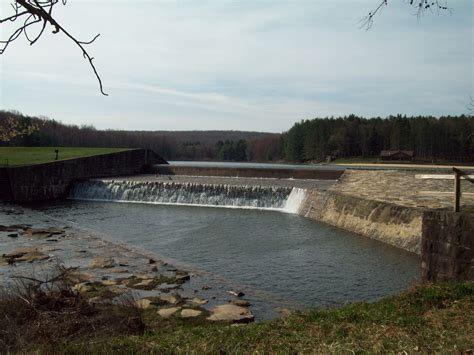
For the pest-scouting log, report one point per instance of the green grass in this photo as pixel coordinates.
(428, 319)
(14, 156)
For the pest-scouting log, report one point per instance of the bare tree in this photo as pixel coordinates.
(420, 6)
(470, 107)
(11, 127)
(37, 14)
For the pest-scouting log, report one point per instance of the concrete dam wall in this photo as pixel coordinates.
(391, 224)
(274, 173)
(51, 181)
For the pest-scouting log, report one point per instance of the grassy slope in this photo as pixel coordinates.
(429, 319)
(37, 155)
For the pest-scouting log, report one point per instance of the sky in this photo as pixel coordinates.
(241, 64)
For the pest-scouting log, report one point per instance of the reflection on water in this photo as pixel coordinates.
(278, 258)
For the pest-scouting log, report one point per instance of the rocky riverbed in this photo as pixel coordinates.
(31, 245)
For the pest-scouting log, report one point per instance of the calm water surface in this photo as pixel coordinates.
(278, 259)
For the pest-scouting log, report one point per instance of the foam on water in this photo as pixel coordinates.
(285, 199)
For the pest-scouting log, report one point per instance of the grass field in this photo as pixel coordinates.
(13, 156)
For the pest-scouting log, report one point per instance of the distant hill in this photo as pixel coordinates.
(212, 137)
(172, 145)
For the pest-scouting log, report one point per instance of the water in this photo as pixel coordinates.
(286, 199)
(277, 259)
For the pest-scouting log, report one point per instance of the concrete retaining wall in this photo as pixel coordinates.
(447, 246)
(5, 192)
(395, 225)
(250, 172)
(51, 180)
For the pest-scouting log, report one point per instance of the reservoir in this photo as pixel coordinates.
(276, 257)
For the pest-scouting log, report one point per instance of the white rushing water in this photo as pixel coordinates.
(285, 199)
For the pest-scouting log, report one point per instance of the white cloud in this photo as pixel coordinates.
(241, 64)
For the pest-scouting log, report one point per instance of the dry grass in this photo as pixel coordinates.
(45, 312)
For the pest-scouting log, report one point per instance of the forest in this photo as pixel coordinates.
(449, 138)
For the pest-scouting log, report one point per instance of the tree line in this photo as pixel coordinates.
(172, 145)
(445, 138)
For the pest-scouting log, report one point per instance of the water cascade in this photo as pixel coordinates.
(285, 199)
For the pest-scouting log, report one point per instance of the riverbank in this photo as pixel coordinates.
(428, 319)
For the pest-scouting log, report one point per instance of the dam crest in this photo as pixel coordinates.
(278, 198)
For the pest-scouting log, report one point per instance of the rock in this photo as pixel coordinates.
(13, 235)
(123, 263)
(236, 293)
(117, 290)
(51, 248)
(190, 313)
(109, 282)
(143, 303)
(240, 303)
(20, 252)
(205, 288)
(84, 287)
(231, 313)
(168, 312)
(118, 270)
(151, 261)
(34, 256)
(94, 300)
(198, 301)
(172, 299)
(182, 277)
(8, 228)
(54, 230)
(145, 284)
(101, 262)
(154, 268)
(79, 277)
(29, 254)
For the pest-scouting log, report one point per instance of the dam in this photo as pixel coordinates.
(289, 239)
(392, 206)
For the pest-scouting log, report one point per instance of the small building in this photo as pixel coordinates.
(406, 155)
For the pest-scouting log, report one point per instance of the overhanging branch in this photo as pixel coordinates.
(32, 12)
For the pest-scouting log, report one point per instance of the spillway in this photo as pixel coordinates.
(285, 199)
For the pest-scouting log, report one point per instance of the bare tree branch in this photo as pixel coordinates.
(40, 12)
(421, 7)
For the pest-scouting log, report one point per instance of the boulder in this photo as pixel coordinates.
(79, 277)
(143, 303)
(118, 270)
(190, 313)
(34, 256)
(20, 252)
(168, 312)
(172, 299)
(84, 287)
(109, 282)
(101, 262)
(198, 301)
(236, 293)
(240, 303)
(231, 313)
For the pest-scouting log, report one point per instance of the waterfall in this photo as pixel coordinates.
(285, 199)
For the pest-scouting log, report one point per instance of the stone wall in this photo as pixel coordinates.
(52, 180)
(250, 172)
(447, 246)
(5, 192)
(395, 225)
